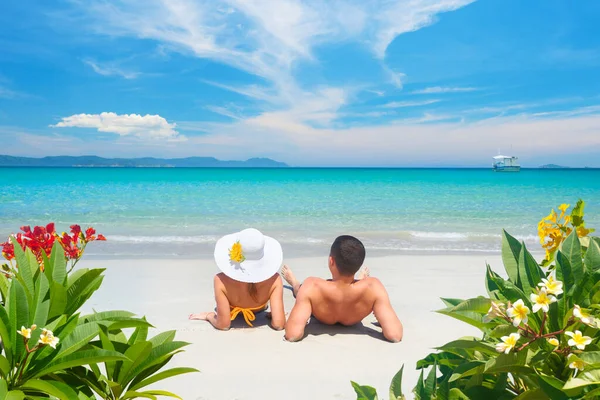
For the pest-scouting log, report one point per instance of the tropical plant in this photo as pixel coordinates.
(540, 325)
(369, 393)
(48, 348)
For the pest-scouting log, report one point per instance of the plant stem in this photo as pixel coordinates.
(542, 325)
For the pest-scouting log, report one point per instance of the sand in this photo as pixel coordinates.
(255, 363)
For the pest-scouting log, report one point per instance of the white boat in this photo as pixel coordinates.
(506, 164)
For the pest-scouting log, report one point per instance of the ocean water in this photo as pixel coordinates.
(147, 212)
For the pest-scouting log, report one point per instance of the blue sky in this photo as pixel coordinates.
(323, 83)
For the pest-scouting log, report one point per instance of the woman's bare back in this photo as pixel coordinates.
(239, 293)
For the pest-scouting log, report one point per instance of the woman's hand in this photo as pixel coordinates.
(204, 316)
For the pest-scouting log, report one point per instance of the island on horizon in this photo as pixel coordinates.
(144, 162)
(553, 166)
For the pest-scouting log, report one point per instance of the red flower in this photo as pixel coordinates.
(89, 234)
(100, 237)
(8, 250)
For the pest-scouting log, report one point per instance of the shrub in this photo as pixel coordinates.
(539, 326)
(48, 348)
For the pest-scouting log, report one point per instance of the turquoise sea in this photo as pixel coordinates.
(148, 212)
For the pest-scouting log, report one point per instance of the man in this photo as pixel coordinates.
(341, 299)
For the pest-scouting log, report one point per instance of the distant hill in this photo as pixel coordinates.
(94, 161)
(552, 166)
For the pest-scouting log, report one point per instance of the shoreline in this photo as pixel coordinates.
(255, 363)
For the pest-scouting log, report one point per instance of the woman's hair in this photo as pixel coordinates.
(253, 291)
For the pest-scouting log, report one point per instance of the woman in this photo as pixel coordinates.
(249, 280)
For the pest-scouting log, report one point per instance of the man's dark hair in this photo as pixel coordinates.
(348, 253)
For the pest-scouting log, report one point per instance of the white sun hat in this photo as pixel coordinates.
(255, 257)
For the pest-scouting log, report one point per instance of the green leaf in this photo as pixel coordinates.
(80, 289)
(396, 386)
(108, 316)
(530, 272)
(364, 392)
(137, 354)
(18, 315)
(181, 370)
(161, 393)
(4, 286)
(24, 269)
(419, 390)
(571, 247)
(78, 338)
(134, 395)
(84, 357)
(451, 302)
(507, 288)
(585, 378)
(467, 369)
(53, 388)
(3, 388)
(592, 256)
(140, 334)
(577, 214)
(513, 363)
(469, 344)
(431, 382)
(156, 355)
(533, 394)
(162, 338)
(58, 300)
(457, 394)
(15, 395)
(552, 387)
(59, 264)
(6, 334)
(502, 330)
(511, 249)
(4, 366)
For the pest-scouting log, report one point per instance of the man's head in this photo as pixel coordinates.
(347, 255)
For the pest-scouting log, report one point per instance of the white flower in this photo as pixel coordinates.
(542, 300)
(518, 312)
(508, 343)
(578, 340)
(553, 341)
(494, 312)
(576, 363)
(48, 338)
(583, 316)
(25, 332)
(552, 285)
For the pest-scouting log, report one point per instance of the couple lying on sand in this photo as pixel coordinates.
(250, 281)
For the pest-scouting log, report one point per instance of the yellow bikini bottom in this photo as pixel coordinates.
(248, 313)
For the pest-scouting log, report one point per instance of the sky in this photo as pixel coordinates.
(310, 83)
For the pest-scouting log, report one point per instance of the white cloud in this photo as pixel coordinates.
(267, 38)
(401, 104)
(111, 70)
(143, 127)
(440, 89)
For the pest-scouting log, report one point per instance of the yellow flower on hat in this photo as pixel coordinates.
(236, 253)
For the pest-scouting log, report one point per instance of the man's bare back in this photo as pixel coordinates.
(342, 300)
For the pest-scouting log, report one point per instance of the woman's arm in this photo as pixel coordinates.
(221, 319)
(277, 308)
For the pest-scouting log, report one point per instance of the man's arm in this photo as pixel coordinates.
(294, 328)
(276, 304)
(385, 314)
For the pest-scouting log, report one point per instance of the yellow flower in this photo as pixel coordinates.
(48, 338)
(563, 207)
(518, 312)
(578, 340)
(551, 285)
(553, 341)
(541, 300)
(236, 254)
(25, 332)
(508, 343)
(583, 316)
(576, 363)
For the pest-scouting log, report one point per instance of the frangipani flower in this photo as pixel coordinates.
(551, 285)
(496, 310)
(48, 338)
(578, 340)
(518, 312)
(553, 342)
(25, 332)
(576, 363)
(583, 316)
(508, 343)
(542, 300)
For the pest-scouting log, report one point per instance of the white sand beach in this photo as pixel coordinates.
(252, 364)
